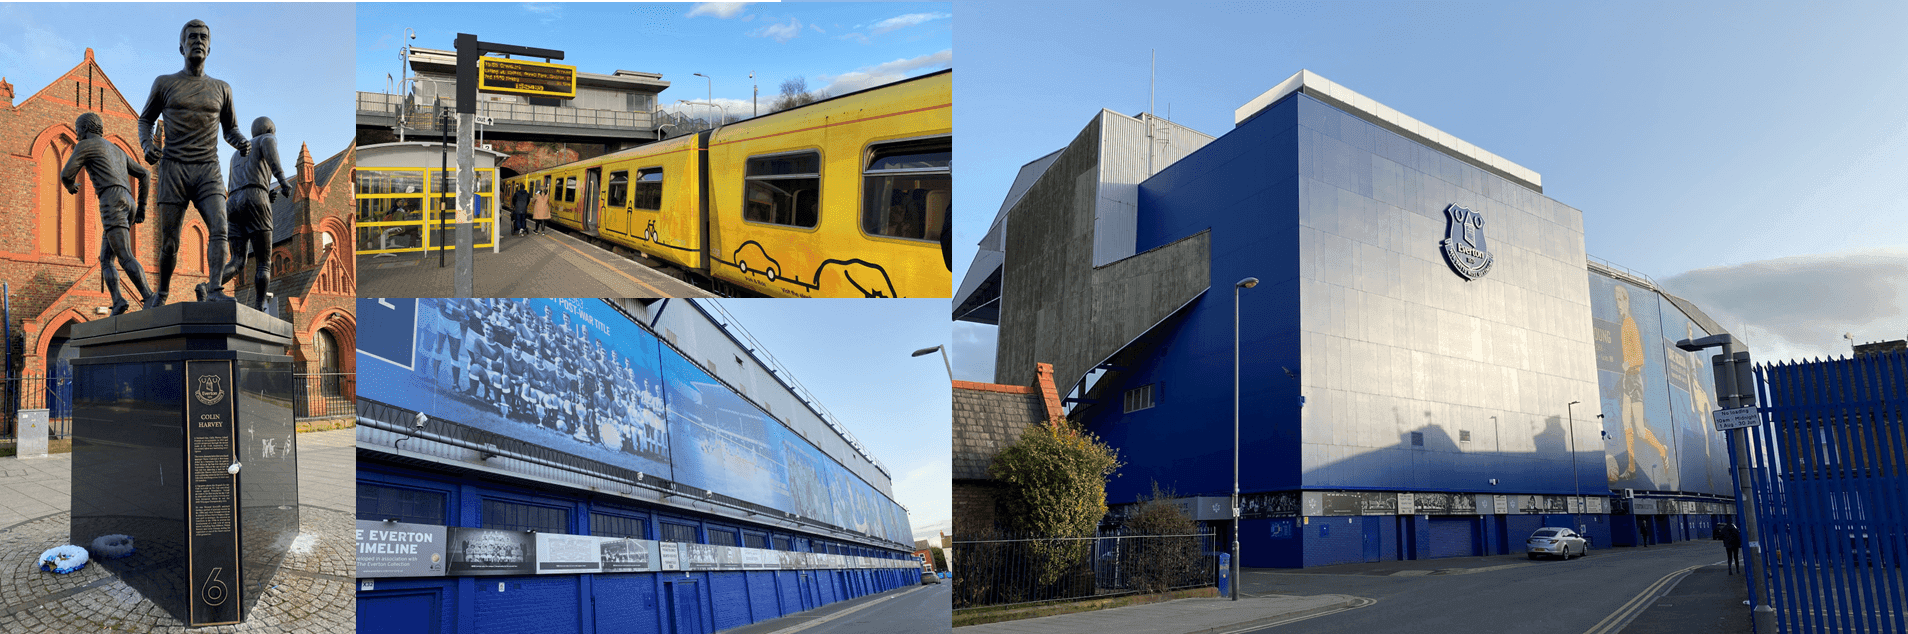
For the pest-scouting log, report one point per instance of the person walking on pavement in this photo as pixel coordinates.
(520, 203)
(540, 209)
(1732, 542)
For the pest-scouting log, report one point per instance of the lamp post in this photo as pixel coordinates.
(711, 86)
(1577, 504)
(943, 351)
(1732, 368)
(754, 92)
(1245, 283)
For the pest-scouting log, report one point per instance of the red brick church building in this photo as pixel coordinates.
(49, 250)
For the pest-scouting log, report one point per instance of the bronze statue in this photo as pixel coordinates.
(109, 168)
(195, 108)
(249, 207)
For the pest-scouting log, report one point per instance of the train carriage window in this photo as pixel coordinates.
(618, 189)
(649, 185)
(569, 189)
(909, 186)
(784, 190)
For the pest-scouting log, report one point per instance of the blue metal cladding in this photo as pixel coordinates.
(1242, 186)
(1829, 472)
(578, 376)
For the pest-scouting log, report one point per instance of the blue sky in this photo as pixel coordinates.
(840, 47)
(1778, 132)
(272, 54)
(852, 354)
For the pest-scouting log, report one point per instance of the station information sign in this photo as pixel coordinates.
(522, 77)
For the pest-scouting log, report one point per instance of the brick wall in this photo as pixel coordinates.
(526, 606)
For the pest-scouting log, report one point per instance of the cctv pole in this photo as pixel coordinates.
(1732, 368)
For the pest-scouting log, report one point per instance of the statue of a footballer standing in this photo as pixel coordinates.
(195, 108)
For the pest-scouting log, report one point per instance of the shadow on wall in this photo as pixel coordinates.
(1428, 457)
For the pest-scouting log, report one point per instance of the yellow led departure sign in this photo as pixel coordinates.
(519, 77)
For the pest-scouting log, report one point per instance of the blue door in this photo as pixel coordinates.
(411, 613)
(685, 608)
(1373, 531)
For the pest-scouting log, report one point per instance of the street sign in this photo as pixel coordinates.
(520, 77)
(1727, 419)
(483, 120)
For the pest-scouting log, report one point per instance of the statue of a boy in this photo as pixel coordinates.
(249, 207)
(195, 108)
(109, 168)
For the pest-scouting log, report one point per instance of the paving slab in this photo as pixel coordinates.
(551, 264)
(311, 593)
(1184, 616)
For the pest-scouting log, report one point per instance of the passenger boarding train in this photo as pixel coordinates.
(844, 197)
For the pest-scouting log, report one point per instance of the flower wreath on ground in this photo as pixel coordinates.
(63, 559)
(113, 546)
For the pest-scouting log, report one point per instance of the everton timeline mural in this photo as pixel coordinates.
(1656, 399)
(577, 376)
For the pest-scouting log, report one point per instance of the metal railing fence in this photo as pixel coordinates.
(53, 394)
(420, 116)
(325, 395)
(1005, 568)
(1829, 467)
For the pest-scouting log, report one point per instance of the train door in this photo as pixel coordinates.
(586, 209)
(616, 203)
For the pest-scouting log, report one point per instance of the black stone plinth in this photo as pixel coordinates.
(164, 400)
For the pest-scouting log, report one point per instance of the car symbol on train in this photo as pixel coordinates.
(870, 279)
(764, 265)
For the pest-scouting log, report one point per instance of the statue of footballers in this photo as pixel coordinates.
(195, 108)
(109, 169)
(249, 208)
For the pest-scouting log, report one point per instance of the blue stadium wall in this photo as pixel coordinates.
(1340, 220)
(667, 602)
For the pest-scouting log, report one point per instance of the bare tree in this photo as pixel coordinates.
(795, 93)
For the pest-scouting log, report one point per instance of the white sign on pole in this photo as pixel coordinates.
(1727, 419)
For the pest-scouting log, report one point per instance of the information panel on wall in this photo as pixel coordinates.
(577, 376)
(394, 549)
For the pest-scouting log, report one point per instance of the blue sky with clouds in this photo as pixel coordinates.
(273, 55)
(852, 354)
(840, 47)
(1750, 156)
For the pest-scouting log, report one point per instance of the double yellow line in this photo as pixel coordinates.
(1636, 605)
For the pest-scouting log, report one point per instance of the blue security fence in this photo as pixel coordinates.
(1830, 478)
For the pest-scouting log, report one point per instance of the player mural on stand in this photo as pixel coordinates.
(1632, 389)
(249, 208)
(109, 169)
(195, 108)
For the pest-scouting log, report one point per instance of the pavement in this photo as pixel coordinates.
(551, 264)
(311, 593)
(1708, 600)
(914, 607)
(1184, 616)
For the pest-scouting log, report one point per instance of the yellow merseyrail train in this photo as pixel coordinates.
(845, 197)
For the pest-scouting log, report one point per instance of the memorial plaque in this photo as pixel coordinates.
(167, 401)
(211, 500)
(671, 555)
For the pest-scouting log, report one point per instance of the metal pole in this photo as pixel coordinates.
(1245, 283)
(1764, 614)
(1577, 505)
(443, 165)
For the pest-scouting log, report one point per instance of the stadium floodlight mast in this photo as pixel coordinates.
(1732, 368)
(943, 351)
(1241, 284)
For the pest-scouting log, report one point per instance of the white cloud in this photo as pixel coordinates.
(904, 21)
(927, 491)
(1799, 307)
(781, 33)
(723, 10)
(973, 351)
(817, 28)
(885, 73)
(856, 37)
(736, 107)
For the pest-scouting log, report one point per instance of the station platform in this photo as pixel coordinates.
(551, 264)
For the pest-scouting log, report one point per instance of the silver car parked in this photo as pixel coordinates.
(1556, 541)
